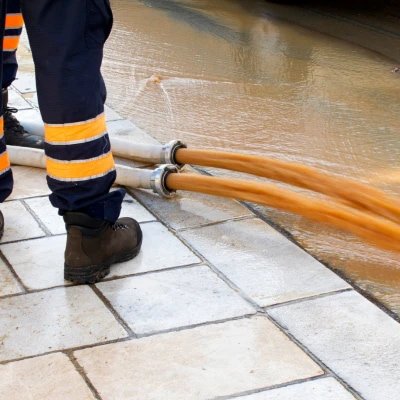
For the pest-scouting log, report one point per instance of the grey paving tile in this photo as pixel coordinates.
(51, 377)
(191, 209)
(29, 182)
(319, 389)
(16, 100)
(53, 320)
(25, 82)
(353, 337)
(172, 299)
(132, 208)
(39, 263)
(111, 115)
(200, 363)
(263, 263)
(48, 215)
(128, 130)
(8, 284)
(19, 223)
(32, 99)
(160, 250)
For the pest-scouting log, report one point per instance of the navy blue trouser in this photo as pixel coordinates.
(67, 39)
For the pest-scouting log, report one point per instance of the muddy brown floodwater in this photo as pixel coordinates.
(229, 75)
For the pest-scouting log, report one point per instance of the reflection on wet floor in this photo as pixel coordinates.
(229, 75)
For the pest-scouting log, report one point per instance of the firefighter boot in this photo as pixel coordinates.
(93, 245)
(14, 132)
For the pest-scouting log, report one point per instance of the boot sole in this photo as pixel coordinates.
(95, 273)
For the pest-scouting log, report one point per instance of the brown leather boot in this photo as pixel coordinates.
(1, 224)
(14, 132)
(93, 245)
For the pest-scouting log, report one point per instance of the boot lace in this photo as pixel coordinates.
(118, 226)
(11, 123)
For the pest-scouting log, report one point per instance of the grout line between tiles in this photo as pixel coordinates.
(112, 310)
(111, 279)
(316, 359)
(15, 275)
(42, 226)
(222, 221)
(272, 387)
(81, 371)
(193, 326)
(129, 338)
(307, 298)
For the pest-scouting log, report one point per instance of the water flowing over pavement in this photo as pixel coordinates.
(244, 75)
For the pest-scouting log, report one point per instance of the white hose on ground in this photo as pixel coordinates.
(126, 176)
(149, 153)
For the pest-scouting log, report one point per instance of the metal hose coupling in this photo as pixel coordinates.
(158, 180)
(169, 150)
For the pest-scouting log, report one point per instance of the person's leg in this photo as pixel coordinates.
(67, 39)
(6, 179)
(13, 30)
(15, 133)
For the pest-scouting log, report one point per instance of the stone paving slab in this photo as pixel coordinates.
(262, 262)
(173, 299)
(28, 182)
(15, 100)
(318, 389)
(26, 82)
(188, 210)
(127, 130)
(39, 263)
(160, 250)
(199, 363)
(51, 377)
(357, 340)
(56, 319)
(20, 223)
(8, 284)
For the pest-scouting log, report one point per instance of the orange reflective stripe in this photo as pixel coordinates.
(4, 162)
(1, 127)
(75, 132)
(10, 43)
(14, 21)
(80, 170)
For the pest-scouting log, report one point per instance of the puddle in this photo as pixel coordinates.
(229, 75)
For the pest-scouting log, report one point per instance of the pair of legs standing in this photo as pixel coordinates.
(67, 39)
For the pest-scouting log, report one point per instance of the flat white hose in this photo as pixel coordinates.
(126, 176)
(149, 153)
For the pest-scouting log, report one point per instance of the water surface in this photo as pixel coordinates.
(228, 75)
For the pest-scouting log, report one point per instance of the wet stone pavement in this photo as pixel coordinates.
(218, 305)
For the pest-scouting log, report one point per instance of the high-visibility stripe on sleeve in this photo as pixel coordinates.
(80, 170)
(4, 162)
(78, 132)
(14, 21)
(1, 127)
(10, 43)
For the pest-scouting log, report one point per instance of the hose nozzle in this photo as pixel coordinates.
(158, 180)
(168, 153)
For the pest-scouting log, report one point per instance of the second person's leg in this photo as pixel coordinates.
(15, 133)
